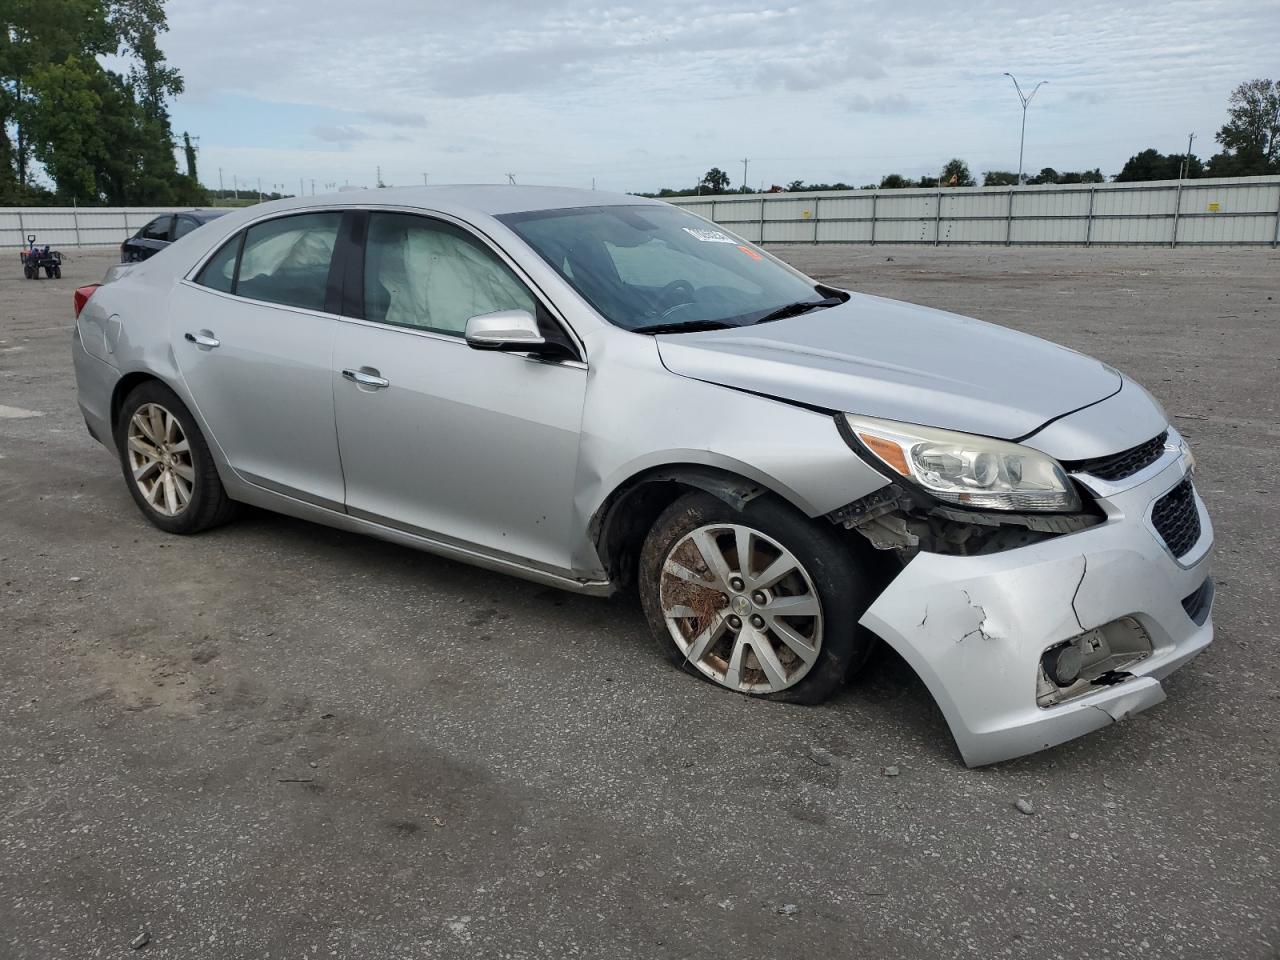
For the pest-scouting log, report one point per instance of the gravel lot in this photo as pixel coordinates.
(279, 740)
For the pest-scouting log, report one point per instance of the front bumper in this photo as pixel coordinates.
(974, 628)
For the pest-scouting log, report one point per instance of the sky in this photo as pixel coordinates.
(654, 93)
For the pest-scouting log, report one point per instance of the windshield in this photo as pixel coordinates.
(655, 267)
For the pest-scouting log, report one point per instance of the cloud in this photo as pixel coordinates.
(561, 91)
(891, 103)
(338, 133)
(396, 118)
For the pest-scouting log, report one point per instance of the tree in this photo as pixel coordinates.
(1047, 175)
(795, 186)
(716, 180)
(956, 174)
(1251, 136)
(929, 182)
(1151, 164)
(999, 178)
(894, 181)
(99, 135)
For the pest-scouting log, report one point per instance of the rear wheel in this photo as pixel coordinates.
(57, 273)
(167, 464)
(762, 601)
(28, 272)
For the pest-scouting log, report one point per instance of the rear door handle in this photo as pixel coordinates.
(361, 378)
(203, 339)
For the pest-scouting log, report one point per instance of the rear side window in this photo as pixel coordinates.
(157, 229)
(431, 275)
(287, 260)
(182, 226)
(220, 272)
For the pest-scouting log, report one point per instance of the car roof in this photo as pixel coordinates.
(204, 216)
(486, 198)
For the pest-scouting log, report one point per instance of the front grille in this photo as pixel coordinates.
(1176, 519)
(1126, 463)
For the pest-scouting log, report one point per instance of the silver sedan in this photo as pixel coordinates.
(602, 392)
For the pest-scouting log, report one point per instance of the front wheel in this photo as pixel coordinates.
(167, 464)
(762, 601)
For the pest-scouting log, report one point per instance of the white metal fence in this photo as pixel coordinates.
(1238, 210)
(75, 226)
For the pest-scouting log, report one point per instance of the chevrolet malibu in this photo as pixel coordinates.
(599, 392)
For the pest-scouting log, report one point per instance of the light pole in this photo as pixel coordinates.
(1026, 100)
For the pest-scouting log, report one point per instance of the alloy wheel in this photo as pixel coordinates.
(160, 459)
(741, 608)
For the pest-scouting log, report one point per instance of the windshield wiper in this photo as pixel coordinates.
(689, 326)
(799, 307)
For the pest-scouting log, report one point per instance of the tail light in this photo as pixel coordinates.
(82, 296)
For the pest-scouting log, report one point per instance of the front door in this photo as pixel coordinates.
(255, 348)
(476, 448)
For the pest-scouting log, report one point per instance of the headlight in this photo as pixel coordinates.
(968, 470)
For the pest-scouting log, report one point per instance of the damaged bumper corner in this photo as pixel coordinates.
(975, 628)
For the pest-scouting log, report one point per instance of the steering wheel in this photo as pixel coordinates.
(673, 289)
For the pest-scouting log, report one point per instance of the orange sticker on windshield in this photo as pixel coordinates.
(750, 253)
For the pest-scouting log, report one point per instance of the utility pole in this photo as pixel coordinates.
(235, 186)
(511, 179)
(259, 189)
(220, 188)
(424, 180)
(1184, 169)
(313, 186)
(745, 161)
(379, 176)
(1026, 101)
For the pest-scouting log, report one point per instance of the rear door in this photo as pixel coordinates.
(155, 236)
(471, 447)
(254, 340)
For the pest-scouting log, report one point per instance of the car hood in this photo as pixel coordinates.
(899, 361)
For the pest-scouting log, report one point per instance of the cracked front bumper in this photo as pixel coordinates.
(975, 628)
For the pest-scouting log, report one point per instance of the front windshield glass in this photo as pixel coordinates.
(658, 266)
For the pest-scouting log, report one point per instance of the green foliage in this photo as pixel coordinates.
(715, 181)
(894, 181)
(1151, 164)
(1251, 136)
(999, 178)
(99, 136)
(956, 174)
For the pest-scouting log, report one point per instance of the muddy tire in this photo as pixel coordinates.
(166, 462)
(763, 601)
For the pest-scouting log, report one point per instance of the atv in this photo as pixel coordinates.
(35, 258)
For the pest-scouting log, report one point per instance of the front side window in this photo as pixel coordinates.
(286, 260)
(649, 266)
(434, 276)
(157, 229)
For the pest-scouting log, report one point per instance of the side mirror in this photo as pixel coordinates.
(513, 331)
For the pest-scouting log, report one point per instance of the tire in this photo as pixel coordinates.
(27, 272)
(48, 271)
(196, 500)
(57, 273)
(826, 583)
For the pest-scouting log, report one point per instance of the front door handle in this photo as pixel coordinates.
(203, 339)
(363, 378)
